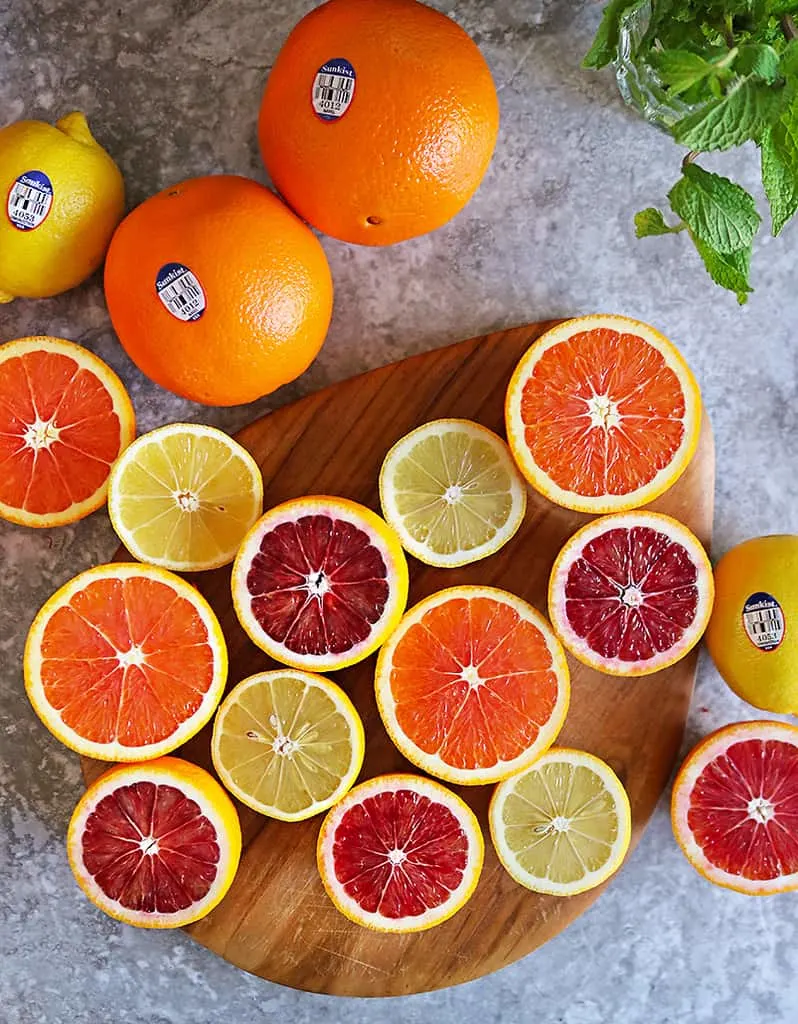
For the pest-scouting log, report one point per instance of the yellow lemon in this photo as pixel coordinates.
(753, 632)
(64, 196)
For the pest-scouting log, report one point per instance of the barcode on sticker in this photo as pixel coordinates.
(333, 89)
(763, 620)
(180, 291)
(29, 200)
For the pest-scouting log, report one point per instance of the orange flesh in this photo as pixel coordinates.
(584, 373)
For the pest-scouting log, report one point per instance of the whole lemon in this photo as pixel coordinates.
(753, 632)
(64, 197)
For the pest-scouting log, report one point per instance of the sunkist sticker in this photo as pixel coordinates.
(763, 620)
(180, 291)
(29, 200)
(333, 89)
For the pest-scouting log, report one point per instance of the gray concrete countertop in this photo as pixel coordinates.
(172, 89)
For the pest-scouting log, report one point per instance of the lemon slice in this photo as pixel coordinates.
(184, 496)
(288, 744)
(563, 825)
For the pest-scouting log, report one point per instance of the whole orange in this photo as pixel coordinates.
(379, 119)
(217, 291)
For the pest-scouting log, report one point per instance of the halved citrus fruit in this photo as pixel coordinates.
(603, 414)
(184, 496)
(320, 582)
(452, 492)
(288, 744)
(735, 807)
(155, 845)
(563, 825)
(473, 685)
(64, 418)
(125, 662)
(400, 853)
(631, 593)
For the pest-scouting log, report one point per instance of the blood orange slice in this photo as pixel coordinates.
(631, 593)
(64, 418)
(735, 807)
(400, 853)
(320, 582)
(155, 845)
(473, 685)
(125, 662)
(603, 414)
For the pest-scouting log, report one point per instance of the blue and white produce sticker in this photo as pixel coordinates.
(763, 620)
(333, 89)
(180, 291)
(29, 200)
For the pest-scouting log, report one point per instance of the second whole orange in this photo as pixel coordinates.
(217, 291)
(379, 119)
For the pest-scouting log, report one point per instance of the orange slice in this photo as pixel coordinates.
(603, 414)
(125, 662)
(473, 685)
(64, 418)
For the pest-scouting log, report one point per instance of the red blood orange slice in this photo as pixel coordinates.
(473, 685)
(125, 662)
(155, 845)
(64, 418)
(603, 414)
(319, 583)
(400, 853)
(735, 807)
(631, 593)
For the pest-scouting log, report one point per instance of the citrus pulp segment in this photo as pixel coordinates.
(64, 418)
(734, 808)
(288, 744)
(631, 593)
(155, 845)
(400, 853)
(184, 496)
(473, 685)
(320, 582)
(452, 492)
(125, 662)
(563, 825)
(603, 414)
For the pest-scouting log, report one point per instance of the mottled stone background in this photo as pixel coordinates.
(171, 88)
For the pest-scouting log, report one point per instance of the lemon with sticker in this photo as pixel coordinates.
(62, 197)
(753, 632)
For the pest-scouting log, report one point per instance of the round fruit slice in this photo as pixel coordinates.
(155, 845)
(125, 662)
(473, 685)
(288, 744)
(184, 496)
(563, 825)
(603, 414)
(64, 418)
(400, 854)
(631, 593)
(735, 807)
(320, 582)
(452, 492)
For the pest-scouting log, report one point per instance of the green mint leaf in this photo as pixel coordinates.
(651, 222)
(758, 59)
(788, 63)
(718, 212)
(783, 6)
(780, 166)
(728, 269)
(680, 69)
(605, 45)
(741, 114)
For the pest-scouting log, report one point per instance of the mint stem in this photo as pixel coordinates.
(788, 27)
(690, 158)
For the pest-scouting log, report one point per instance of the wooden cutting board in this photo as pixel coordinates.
(276, 921)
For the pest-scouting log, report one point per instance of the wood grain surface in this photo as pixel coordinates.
(276, 921)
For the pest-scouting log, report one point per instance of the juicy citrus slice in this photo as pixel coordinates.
(735, 807)
(452, 492)
(603, 414)
(563, 825)
(125, 662)
(473, 685)
(400, 853)
(155, 845)
(631, 593)
(288, 744)
(320, 582)
(64, 418)
(184, 496)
